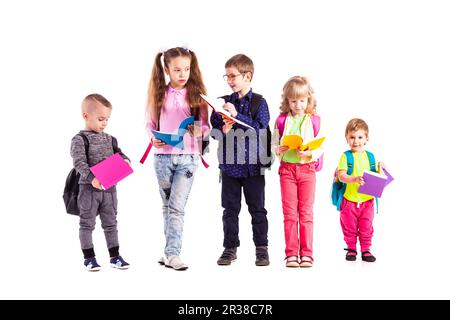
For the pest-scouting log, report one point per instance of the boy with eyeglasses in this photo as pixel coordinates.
(240, 160)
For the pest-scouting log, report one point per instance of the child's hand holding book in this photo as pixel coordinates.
(304, 155)
(228, 125)
(381, 166)
(96, 184)
(231, 109)
(157, 143)
(359, 180)
(281, 149)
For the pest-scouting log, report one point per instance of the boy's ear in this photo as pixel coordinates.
(85, 115)
(248, 76)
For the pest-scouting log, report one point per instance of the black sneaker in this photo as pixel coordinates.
(227, 257)
(368, 257)
(262, 256)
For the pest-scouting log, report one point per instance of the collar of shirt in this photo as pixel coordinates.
(234, 99)
(173, 91)
(175, 99)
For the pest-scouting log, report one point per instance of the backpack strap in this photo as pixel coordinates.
(254, 107)
(86, 145)
(256, 100)
(350, 162)
(147, 151)
(372, 162)
(373, 168)
(115, 145)
(281, 121)
(226, 98)
(316, 124)
(315, 119)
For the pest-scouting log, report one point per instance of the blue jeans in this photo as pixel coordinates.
(175, 173)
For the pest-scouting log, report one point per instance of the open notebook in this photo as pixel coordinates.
(217, 106)
(295, 142)
(175, 139)
(111, 170)
(375, 183)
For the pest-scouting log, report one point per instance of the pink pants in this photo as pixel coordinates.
(356, 221)
(298, 183)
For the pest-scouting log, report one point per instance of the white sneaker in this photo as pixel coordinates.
(175, 263)
(162, 261)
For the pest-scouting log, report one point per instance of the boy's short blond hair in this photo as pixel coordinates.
(357, 124)
(90, 101)
(242, 63)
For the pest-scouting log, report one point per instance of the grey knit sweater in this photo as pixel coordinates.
(100, 148)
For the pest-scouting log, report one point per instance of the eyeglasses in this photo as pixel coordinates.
(231, 77)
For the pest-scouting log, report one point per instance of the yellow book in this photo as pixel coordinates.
(295, 142)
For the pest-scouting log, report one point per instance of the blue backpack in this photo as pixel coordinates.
(338, 187)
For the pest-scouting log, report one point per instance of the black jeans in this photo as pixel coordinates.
(231, 202)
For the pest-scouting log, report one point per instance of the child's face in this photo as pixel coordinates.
(238, 82)
(298, 106)
(357, 140)
(178, 71)
(97, 118)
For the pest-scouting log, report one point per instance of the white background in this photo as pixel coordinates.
(385, 61)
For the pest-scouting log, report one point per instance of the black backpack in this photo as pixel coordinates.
(72, 187)
(265, 138)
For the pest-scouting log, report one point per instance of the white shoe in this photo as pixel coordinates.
(175, 263)
(162, 261)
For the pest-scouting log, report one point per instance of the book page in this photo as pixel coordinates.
(375, 174)
(217, 106)
(313, 145)
(295, 142)
(292, 141)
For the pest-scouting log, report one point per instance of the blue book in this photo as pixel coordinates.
(175, 139)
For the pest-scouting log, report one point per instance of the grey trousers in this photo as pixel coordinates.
(92, 202)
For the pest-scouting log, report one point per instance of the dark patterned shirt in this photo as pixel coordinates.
(249, 166)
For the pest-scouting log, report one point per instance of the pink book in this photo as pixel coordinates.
(111, 170)
(375, 183)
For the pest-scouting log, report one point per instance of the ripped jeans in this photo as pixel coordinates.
(175, 173)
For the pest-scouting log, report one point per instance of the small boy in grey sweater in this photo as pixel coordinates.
(92, 199)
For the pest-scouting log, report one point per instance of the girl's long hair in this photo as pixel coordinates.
(157, 86)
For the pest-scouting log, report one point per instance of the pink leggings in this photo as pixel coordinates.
(356, 221)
